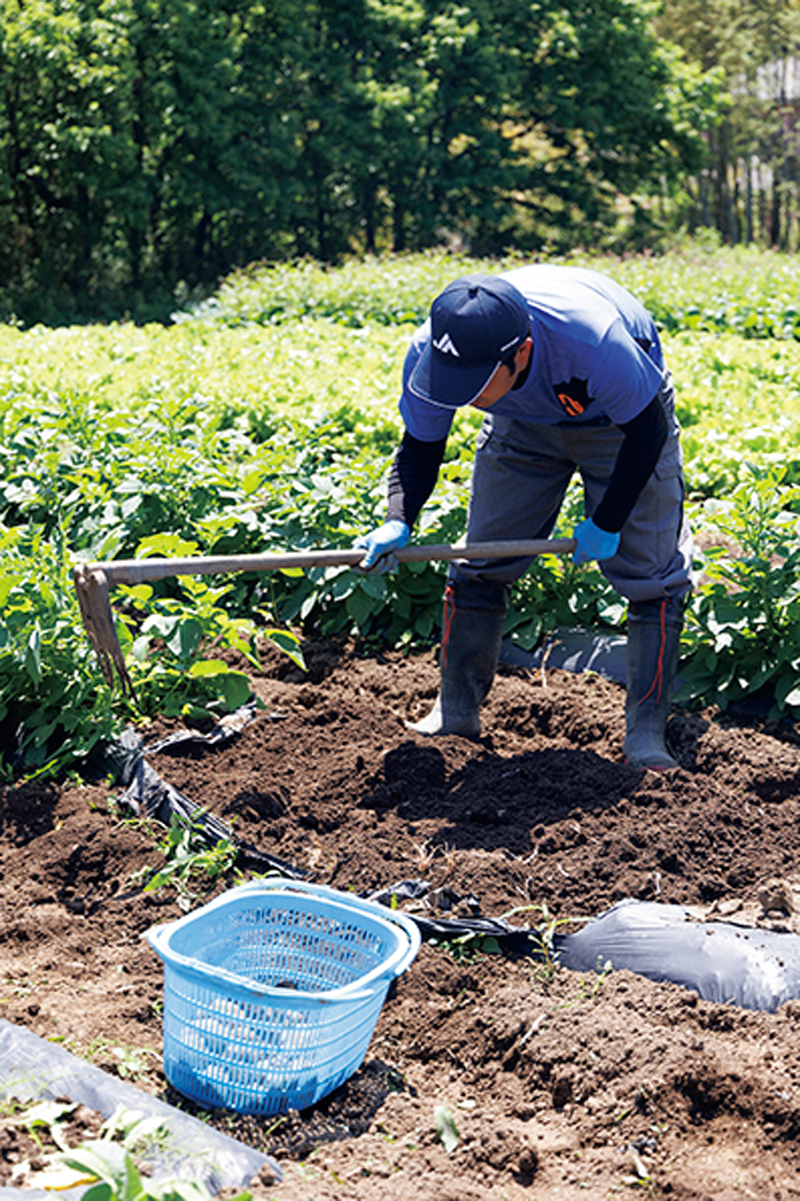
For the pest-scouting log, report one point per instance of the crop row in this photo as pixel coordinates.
(231, 433)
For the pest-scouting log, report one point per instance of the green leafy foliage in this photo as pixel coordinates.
(247, 428)
(47, 1115)
(542, 936)
(739, 290)
(111, 1162)
(469, 948)
(148, 148)
(743, 633)
(172, 641)
(189, 858)
(736, 408)
(54, 707)
(751, 62)
(388, 291)
(115, 1166)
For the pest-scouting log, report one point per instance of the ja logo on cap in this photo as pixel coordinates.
(447, 346)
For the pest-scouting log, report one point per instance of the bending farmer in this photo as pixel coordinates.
(569, 369)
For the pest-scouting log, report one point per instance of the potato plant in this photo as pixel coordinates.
(743, 634)
(267, 421)
(54, 706)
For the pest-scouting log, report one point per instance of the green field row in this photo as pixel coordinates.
(267, 419)
(73, 389)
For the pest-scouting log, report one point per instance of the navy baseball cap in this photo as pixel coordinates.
(476, 323)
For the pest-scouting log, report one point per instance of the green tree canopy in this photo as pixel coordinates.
(147, 143)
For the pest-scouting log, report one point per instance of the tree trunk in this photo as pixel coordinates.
(748, 201)
(398, 226)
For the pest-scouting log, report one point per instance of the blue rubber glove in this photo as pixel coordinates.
(593, 543)
(380, 543)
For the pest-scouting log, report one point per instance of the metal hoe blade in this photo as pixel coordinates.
(95, 605)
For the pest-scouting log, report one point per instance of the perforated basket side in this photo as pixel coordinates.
(253, 1056)
(285, 942)
(272, 992)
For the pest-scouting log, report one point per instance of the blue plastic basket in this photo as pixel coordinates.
(272, 992)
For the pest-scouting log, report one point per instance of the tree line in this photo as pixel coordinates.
(748, 188)
(147, 147)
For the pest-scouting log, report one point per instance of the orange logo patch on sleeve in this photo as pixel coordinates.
(573, 407)
(573, 395)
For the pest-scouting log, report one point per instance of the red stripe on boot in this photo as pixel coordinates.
(658, 678)
(448, 613)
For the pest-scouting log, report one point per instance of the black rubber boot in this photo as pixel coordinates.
(654, 631)
(470, 650)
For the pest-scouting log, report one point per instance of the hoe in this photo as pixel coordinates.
(93, 580)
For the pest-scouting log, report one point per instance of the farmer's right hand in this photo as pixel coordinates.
(593, 543)
(380, 543)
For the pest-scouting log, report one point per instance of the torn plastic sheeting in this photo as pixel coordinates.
(574, 649)
(148, 795)
(513, 937)
(33, 1069)
(446, 928)
(226, 728)
(722, 962)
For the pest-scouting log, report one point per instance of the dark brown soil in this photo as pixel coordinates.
(561, 1085)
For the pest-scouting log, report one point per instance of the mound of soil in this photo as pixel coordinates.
(560, 1085)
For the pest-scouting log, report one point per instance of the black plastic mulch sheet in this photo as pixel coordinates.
(722, 962)
(149, 796)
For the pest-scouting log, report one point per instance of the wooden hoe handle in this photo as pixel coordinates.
(136, 571)
(93, 580)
